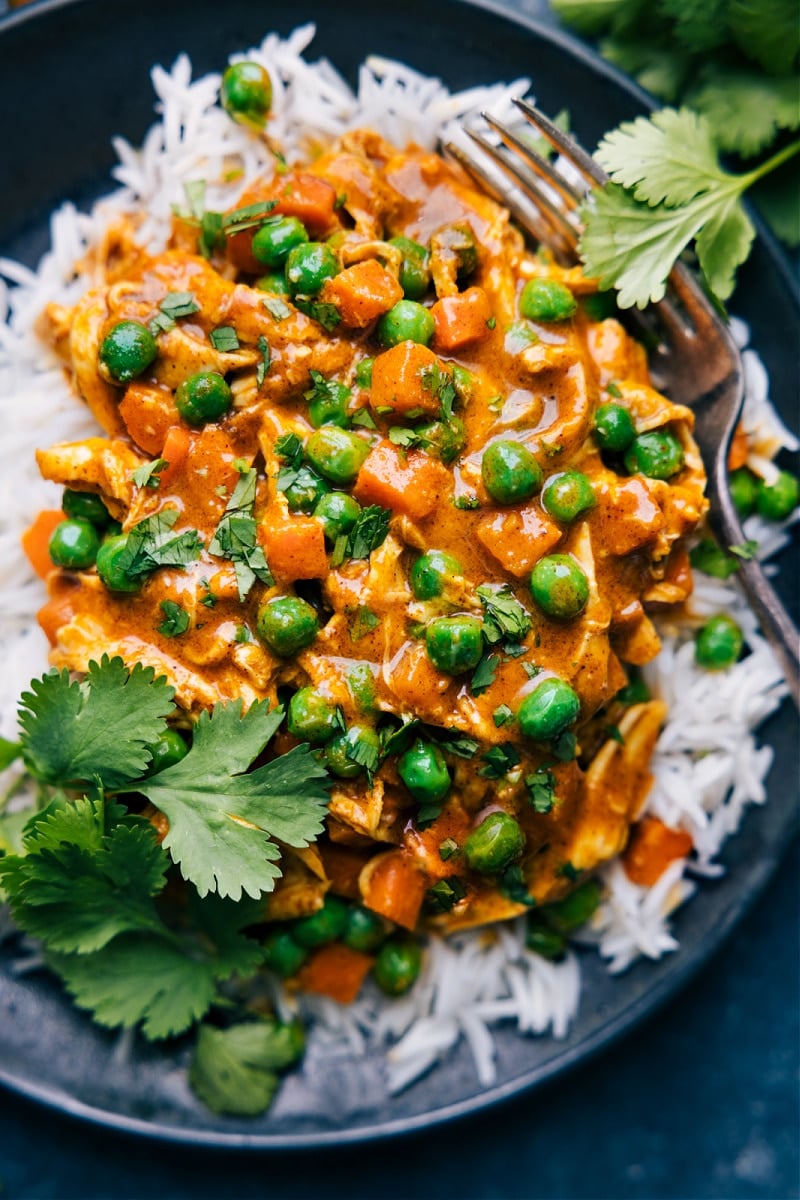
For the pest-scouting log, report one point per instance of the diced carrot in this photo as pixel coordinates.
(175, 449)
(336, 971)
(295, 547)
(149, 413)
(56, 613)
(343, 865)
(737, 454)
(461, 320)
(311, 199)
(298, 194)
(399, 376)
(362, 293)
(394, 886)
(652, 847)
(412, 485)
(36, 541)
(518, 538)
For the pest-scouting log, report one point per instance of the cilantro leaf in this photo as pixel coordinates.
(224, 339)
(771, 36)
(221, 820)
(247, 217)
(75, 898)
(369, 531)
(778, 200)
(151, 544)
(745, 109)
(666, 158)
(484, 674)
(9, 752)
(512, 885)
(541, 787)
(234, 1070)
(264, 365)
(327, 315)
(504, 616)
(236, 536)
(147, 475)
(499, 760)
(176, 619)
(700, 25)
(101, 728)
(278, 309)
(139, 978)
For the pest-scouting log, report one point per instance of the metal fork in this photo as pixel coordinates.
(695, 361)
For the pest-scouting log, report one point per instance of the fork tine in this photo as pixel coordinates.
(538, 165)
(554, 217)
(565, 145)
(527, 215)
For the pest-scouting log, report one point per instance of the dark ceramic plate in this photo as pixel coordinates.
(75, 73)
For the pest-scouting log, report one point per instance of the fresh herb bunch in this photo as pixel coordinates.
(87, 874)
(731, 66)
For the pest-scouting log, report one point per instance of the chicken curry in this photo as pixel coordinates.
(368, 456)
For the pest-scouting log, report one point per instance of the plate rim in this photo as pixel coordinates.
(644, 1005)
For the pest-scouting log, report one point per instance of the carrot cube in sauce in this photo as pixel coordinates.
(518, 538)
(362, 293)
(36, 541)
(149, 413)
(295, 547)
(399, 378)
(410, 484)
(461, 320)
(393, 885)
(336, 971)
(652, 847)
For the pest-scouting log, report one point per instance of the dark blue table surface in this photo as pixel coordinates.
(703, 1100)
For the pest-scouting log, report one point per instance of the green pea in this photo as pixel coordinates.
(360, 740)
(364, 372)
(444, 439)
(336, 453)
(398, 965)
(361, 686)
(454, 644)
(109, 567)
(274, 282)
(364, 931)
(495, 843)
(424, 772)
(463, 382)
(74, 544)
(567, 495)
(431, 572)
(414, 278)
(575, 909)
(325, 925)
(613, 428)
(287, 624)
(777, 500)
(548, 710)
(282, 954)
(743, 488)
(718, 643)
(127, 350)
(202, 398)
(273, 240)
(311, 717)
(707, 557)
(304, 490)
(559, 587)
(657, 454)
(544, 941)
(85, 506)
(509, 472)
(457, 242)
(167, 751)
(338, 512)
(246, 93)
(547, 300)
(308, 266)
(328, 406)
(634, 692)
(407, 321)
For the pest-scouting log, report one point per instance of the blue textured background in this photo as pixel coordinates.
(701, 1101)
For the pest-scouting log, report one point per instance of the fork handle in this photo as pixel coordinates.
(775, 622)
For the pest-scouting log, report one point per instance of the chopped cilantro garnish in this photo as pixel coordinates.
(541, 787)
(466, 503)
(278, 309)
(176, 619)
(235, 1070)
(328, 315)
(364, 621)
(568, 871)
(504, 616)
(445, 894)
(484, 674)
(147, 475)
(448, 848)
(236, 536)
(247, 217)
(746, 551)
(439, 382)
(502, 715)
(512, 885)
(224, 339)
(264, 365)
(151, 544)
(499, 761)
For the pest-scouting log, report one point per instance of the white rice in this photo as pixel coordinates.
(707, 766)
